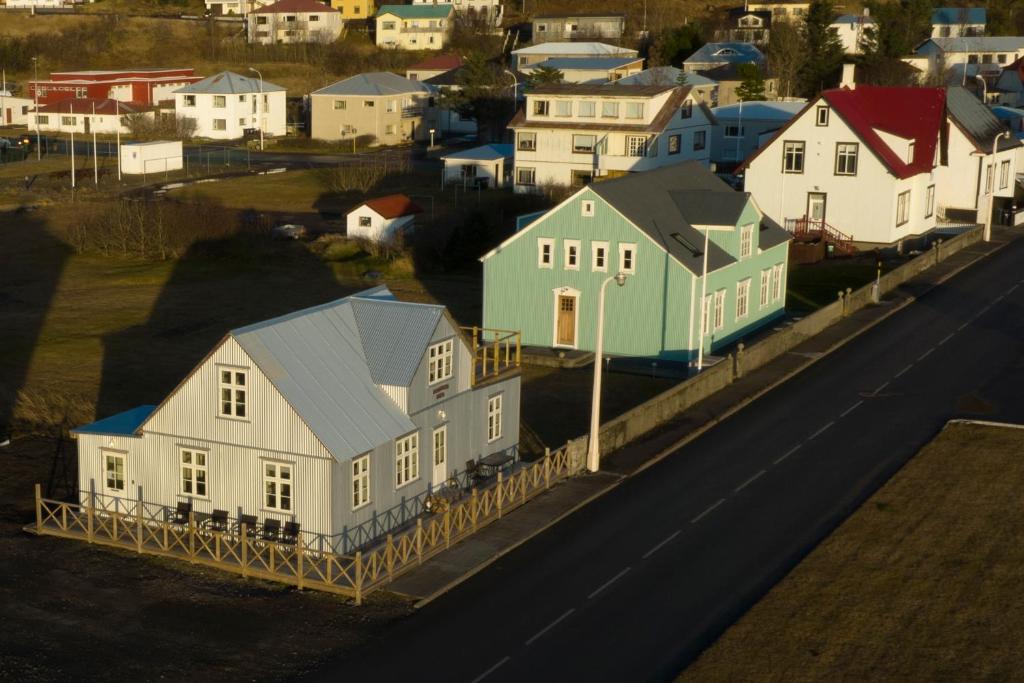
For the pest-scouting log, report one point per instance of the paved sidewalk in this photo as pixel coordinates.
(446, 570)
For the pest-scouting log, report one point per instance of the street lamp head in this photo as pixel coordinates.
(620, 278)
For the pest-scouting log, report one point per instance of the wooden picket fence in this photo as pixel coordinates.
(142, 529)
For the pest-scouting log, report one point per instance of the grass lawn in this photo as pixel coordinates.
(290, 191)
(922, 583)
(811, 286)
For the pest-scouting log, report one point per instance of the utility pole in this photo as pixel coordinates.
(35, 97)
(74, 122)
(593, 446)
(95, 152)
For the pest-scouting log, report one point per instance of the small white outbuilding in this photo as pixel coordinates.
(489, 166)
(151, 157)
(382, 218)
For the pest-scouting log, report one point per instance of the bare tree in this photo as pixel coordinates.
(787, 53)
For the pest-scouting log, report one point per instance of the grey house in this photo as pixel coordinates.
(569, 26)
(713, 55)
(340, 418)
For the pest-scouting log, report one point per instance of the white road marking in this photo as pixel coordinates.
(1013, 288)
(609, 582)
(851, 409)
(748, 482)
(964, 326)
(788, 453)
(904, 370)
(925, 354)
(821, 431)
(1000, 297)
(946, 338)
(662, 544)
(501, 662)
(879, 389)
(550, 626)
(707, 511)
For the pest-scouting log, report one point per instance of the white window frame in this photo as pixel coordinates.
(929, 204)
(237, 398)
(587, 208)
(494, 418)
(110, 456)
(637, 110)
(361, 481)
(407, 460)
(903, 207)
(190, 469)
(440, 361)
(1004, 174)
(705, 313)
(571, 254)
(526, 142)
(578, 146)
(599, 249)
(746, 240)
(525, 169)
(636, 145)
(777, 282)
(549, 262)
(275, 484)
(631, 248)
(719, 320)
(563, 106)
(742, 299)
(766, 283)
(587, 109)
(220, 101)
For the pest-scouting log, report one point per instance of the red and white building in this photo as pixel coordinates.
(141, 86)
(89, 115)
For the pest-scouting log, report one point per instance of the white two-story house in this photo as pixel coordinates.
(879, 165)
(572, 134)
(413, 27)
(339, 418)
(294, 21)
(226, 105)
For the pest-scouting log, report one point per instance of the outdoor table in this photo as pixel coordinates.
(496, 461)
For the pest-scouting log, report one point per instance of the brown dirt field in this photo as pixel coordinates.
(922, 583)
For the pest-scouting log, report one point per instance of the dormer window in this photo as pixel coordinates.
(540, 107)
(439, 361)
(910, 152)
(726, 52)
(234, 389)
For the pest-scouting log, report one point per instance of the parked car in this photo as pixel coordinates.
(289, 231)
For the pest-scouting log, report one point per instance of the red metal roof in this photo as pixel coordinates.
(294, 6)
(84, 105)
(393, 206)
(437, 63)
(912, 113)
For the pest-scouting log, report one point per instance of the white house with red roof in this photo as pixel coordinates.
(294, 21)
(87, 116)
(382, 218)
(142, 86)
(877, 165)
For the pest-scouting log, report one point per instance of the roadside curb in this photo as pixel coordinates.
(698, 431)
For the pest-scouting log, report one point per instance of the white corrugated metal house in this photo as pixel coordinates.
(341, 417)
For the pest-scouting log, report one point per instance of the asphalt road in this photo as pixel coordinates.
(636, 584)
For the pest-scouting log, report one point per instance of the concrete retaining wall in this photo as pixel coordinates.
(655, 412)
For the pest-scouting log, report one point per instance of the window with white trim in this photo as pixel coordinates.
(766, 279)
(193, 472)
(540, 107)
(407, 460)
(705, 313)
(1004, 174)
(746, 240)
(742, 298)
(527, 142)
(634, 110)
(636, 145)
(340, 105)
(627, 258)
(563, 108)
(234, 391)
(609, 110)
(572, 254)
(69, 121)
(587, 208)
(599, 254)
(360, 481)
(494, 418)
(586, 109)
(929, 201)
(440, 439)
(545, 252)
(584, 144)
(439, 361)
(719, 310)
(220, 101)
(777, 282)
(903, 207)
(277, 486)
(526, 176)
(113, 471)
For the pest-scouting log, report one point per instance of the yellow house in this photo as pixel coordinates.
(354, 9)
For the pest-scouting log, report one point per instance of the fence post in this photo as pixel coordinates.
(245, 548)
(842, 303)
(448, 528)
(113, 518)
(359, 578)
(138, 526)
(389, 556)
(419, 541)
(191, 536)
(498, 492)
(91, 512)
(474, 507)
(547, 467)
(39, 509)
(738, 366)
(938, 250)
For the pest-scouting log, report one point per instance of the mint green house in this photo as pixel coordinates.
(544, 280)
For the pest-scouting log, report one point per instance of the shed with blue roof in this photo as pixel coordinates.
(488, 166)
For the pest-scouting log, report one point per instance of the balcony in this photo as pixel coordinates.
(412, 112)
(495, 352)
(422, 29)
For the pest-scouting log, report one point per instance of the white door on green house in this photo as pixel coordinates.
(440, 455)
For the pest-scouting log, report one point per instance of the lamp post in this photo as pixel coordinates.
(432, 131)
(515, 91)
(74, 122)
(984, 87)
(593, 447)
(259, 118)
(987, 235)
(704, 291)
(95, 150)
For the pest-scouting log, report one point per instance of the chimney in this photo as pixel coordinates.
(848, 80)
(867, 11)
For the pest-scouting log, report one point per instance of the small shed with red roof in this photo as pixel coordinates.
(382, 218)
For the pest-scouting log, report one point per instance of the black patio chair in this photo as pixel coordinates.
(474, 473)
(271, 529)
(251, 525)
(219, 520)
(182, 512)
(290, 533)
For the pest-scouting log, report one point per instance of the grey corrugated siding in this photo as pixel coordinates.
(394, 336)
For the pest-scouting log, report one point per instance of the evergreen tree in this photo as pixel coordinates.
(752, 87)
(824, 49)
(544, 75)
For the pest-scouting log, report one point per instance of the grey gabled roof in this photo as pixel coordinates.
(976, 120)
(373, 84)
(671, 200)
(229, 83)
(327, 362)
(726, 53)
(772, 234)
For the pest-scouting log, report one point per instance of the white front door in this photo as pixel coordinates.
(816, 207)
(440, 455)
